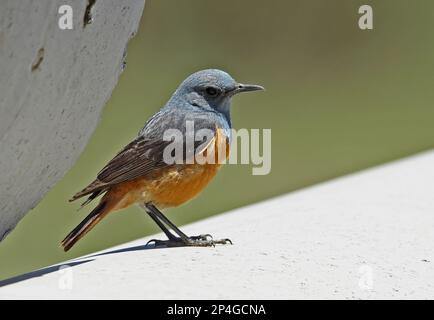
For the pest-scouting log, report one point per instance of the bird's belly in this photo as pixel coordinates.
(181, 183)
(172, 186)
(178, 185)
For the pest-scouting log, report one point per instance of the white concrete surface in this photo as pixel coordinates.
(53, 86)
(365, 236)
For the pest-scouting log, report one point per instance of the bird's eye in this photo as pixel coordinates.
(212, 91)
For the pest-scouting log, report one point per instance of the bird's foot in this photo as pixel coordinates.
(175, 242)
(203, 240)
(202, 237)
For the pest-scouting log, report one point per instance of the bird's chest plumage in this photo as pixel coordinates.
(178, 185)
(183, 182)
(172, 186)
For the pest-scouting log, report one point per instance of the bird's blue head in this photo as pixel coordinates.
(210, 89)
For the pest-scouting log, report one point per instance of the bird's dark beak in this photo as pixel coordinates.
(246, 88)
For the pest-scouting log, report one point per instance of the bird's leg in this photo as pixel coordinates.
(173, 241)
(201, 240)
(169, 234)
(157, 213)
(205, 240)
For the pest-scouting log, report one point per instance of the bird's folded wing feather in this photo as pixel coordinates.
(138, 159)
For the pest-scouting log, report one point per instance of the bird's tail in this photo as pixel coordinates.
(100, 211)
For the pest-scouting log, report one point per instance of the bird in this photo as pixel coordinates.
(141, 173)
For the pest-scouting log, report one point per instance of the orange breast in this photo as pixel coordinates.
(180, 185)
(183, 182)
(170, 187)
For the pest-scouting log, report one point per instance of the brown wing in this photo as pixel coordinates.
(137, 159)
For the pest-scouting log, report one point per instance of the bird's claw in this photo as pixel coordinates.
(203, 240)
(202, 237)
(207, 241)
(166, 243)
(224, 241)
(152, 241)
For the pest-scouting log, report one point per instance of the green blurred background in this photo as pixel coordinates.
(338, 100)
